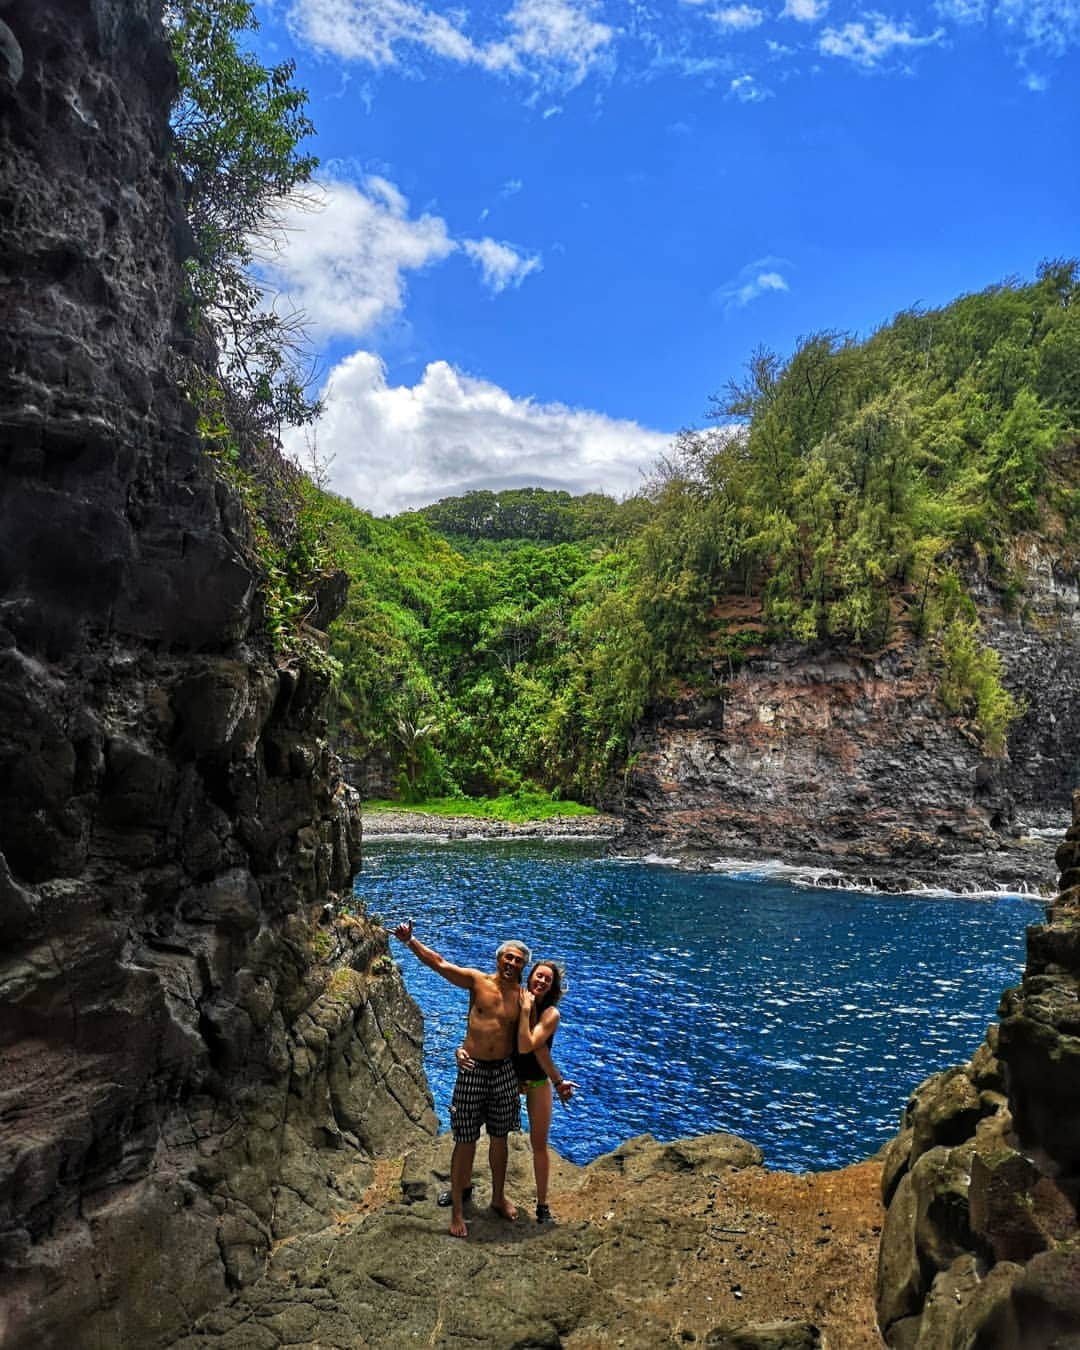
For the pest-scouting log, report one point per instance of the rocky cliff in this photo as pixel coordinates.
(846, 760)
(981, 1242)
(197, 1054)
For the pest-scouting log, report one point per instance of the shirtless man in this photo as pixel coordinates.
(487, 1092)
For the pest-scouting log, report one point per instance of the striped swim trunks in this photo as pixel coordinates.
(485, 1095)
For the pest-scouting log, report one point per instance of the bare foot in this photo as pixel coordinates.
(459, 1228)
(505, 1208)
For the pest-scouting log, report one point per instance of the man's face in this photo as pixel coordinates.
(511, 965)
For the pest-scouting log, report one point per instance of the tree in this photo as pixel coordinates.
(237, 129)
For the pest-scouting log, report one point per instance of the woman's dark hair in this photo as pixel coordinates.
(555, 990)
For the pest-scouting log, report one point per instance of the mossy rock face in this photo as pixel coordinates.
(901, 1284)
(946, 1111)
(1016, 1210)
(896, 1161)
(997, 1215)
(942, 1220)
(983, 1313)
(1047, 1295)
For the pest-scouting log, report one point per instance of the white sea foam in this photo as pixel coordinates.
(652, 859)
(828, 879)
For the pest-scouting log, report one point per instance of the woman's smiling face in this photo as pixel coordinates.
(540, 980)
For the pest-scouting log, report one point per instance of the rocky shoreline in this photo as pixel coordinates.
(406, 824)
(1027, 867)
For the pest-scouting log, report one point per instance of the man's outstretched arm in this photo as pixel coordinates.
(459, 975)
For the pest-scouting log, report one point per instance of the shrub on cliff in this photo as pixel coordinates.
(237, 131)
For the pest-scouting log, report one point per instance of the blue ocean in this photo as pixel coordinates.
(798, 1017)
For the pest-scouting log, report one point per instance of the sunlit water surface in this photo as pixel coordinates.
(796, 1017)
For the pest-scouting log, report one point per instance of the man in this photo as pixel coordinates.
(487, 1092)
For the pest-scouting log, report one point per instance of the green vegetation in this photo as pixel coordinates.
(501, 640)
(237, 131)
(506, 645)
(237, 128)
(525, 804)
(535, 514)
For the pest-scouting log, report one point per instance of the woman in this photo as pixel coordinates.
(538, 1020)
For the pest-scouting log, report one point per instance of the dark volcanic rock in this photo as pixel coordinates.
(839, 760)
(192, 1063)
(981, 1242)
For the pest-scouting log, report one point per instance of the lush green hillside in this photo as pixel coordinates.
(502, 637)
(460, 666)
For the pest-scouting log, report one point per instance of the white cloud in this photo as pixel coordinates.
(344, 263)
(397, 447)
(555, 34)
(370, 30)
(511, 187)
(962, 11)
(1034, 30)
(343, 260)
(500, 264)
(866, 44)
(805, 11)
(1049, 27)
(746, 89)
(555, 42)
(738, 17)
(756, 279)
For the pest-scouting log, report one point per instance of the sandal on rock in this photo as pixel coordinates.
(446, 1198)
(543, 1214)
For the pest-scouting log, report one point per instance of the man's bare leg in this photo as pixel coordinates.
(498, 1153)
(461, 1166)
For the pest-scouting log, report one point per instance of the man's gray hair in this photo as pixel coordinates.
(517, 946)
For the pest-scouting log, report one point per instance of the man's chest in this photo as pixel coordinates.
(491, 1001)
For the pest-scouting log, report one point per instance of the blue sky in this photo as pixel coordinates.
(547, 230)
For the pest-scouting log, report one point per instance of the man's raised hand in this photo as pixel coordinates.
(403, 931)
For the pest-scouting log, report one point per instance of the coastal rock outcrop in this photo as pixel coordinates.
(841, 760)
(198, 1055)
(656, 1245)
(981, 1242)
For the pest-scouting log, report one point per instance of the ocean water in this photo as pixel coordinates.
(798, 1017)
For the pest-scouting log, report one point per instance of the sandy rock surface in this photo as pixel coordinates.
(654, 1245)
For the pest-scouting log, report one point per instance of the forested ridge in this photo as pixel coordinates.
(840, 496)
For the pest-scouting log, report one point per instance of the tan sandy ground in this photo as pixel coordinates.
(763, 1246)
(655, 1246)
(780, 1246)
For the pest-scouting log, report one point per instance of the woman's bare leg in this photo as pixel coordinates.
(538, 1102)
